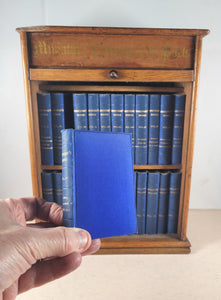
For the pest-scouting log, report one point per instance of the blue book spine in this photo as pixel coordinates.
(163, 202)
(152, 202)
(45, 128)
(141, 201)
(154, 124)
(117, 109)
(68, 177)
(93, 112)
(80, 111)
(174, 199)
(178, 122)
(129, 117)
(105, 120)
(61, 116)
(141, 132)
(57, 187)
(166, 129)
(47, 186)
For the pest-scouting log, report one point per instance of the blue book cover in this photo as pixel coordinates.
(62, 118)
(129, 116)
(178, 123)
(174, 199)
(141, 201)
(105, 119)
(152, 202)
(57, 187)
(141, 132)
(47, 186)
(154, 126)
(93, 112)
(166, 129)
(117, 109)
(45, 128)
(163, 202)
(80, 111)
(98, 170)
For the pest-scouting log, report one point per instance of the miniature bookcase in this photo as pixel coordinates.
(119, 62)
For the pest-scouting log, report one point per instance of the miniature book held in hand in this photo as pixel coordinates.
(98, 182)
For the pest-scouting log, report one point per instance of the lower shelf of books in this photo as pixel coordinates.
(145, 244)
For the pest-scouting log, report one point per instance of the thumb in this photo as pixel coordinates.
(23, 246)
(57, 242)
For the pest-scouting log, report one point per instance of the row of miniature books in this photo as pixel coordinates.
(157, 197)
(155, 122)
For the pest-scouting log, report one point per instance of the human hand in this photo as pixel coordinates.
(31, 255)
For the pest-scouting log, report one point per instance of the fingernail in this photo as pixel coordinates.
(83, 239)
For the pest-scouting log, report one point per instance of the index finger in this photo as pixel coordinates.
(36, 207)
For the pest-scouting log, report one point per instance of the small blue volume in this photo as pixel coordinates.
(152, 202)
(45, 128)
(105, 120)
(178, 128)
(93, 112)
(141, 133)
(174, 197)
(154, 124)
(129, 117)
(117, 108)
(141, 201)
(163, 202)
(80, 111)
(47, 186)
(68, 176)
(57, 187)
(62, 118)
(166, 129)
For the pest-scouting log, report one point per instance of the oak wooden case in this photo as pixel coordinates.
(88, 59)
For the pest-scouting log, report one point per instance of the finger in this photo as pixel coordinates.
(46, 271)
(54, 242)
(11, 292)
(35, 207)
(94, 247)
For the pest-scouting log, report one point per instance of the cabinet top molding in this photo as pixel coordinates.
(116, 30)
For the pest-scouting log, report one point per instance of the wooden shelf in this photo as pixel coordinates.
(136, 167)
(108, 88)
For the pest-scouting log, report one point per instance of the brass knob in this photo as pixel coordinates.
(113, 74)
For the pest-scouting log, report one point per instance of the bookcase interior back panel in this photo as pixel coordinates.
(157, 63)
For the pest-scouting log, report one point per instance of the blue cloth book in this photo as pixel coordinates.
(105, 120)
(80, 111)
(98, 182)
(93, 112)
(117, 109)
(166, 129)
(174, 197)
(45, 128)
(129, 116)
(152, 202)
(141, 201)
(62, 118)
(141, 133)
(163, 202)
(154, 124)
(47, 186)
(57, 187)
(178, 123)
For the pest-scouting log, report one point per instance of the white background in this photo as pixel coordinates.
(15, 173)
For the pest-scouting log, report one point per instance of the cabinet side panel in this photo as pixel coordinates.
(29, 114)
(189, 159)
